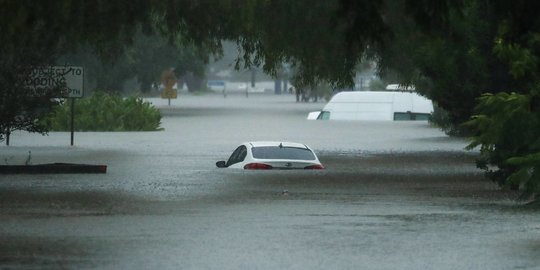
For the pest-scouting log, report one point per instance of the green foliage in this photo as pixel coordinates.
(105, 112)
(506, 128)
(527, 175)
(441, 118)
(24, 46)
(21, 107)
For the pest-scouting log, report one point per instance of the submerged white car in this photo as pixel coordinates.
(272, 155)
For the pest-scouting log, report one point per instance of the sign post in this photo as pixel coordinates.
(52, 76)
(72, 120)
(168, 79)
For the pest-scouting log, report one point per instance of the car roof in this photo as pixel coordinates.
(273, 143)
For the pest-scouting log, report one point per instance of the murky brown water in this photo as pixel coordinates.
(394, 195)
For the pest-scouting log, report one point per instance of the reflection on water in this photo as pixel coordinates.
(394, 195)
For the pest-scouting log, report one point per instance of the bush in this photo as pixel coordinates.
(105, 112)
(441, 118)
(507, 129)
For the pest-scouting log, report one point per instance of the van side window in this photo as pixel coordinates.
(423, 116)
(407, 116)
(402, 116)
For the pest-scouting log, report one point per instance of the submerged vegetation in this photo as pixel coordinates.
(106, 112)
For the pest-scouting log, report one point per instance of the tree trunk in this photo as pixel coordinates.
(7, 136)
(193, 82)
(146, 86)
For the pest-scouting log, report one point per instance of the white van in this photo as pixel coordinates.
(375, 105)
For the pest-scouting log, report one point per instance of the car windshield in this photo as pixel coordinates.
(275, 152)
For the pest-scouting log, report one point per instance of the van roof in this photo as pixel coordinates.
(370, 96)
(355, 103)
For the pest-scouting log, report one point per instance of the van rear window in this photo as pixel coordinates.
(275, 152)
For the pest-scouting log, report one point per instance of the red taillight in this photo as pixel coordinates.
(257, 166)
(314, 167)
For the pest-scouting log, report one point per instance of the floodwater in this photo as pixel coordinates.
(395, 195)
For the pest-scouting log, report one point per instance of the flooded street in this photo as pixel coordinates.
(395, 195)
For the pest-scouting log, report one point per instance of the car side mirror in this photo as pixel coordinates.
(221, 164)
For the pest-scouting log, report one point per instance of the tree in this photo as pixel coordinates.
(191, 66)
(507, 125)
(449, 61)
(149, 56)
(25, 47)
(21, 106)
(33, 34)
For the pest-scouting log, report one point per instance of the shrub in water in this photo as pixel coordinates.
(104, 112)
